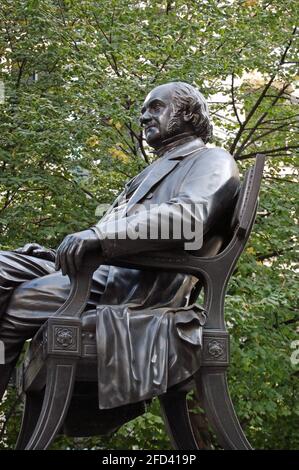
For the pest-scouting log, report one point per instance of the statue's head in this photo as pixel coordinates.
(173, 109)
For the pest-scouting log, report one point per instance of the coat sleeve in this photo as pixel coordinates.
(206, 192)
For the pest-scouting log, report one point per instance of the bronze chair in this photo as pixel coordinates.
(59, 374)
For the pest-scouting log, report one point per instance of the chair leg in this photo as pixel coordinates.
(58, 392)
(32, 408)
(212, 387)
(175, 414)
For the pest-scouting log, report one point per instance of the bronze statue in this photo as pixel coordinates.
(33, 281)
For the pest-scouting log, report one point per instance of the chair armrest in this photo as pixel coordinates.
(171, 261)
(81, 282)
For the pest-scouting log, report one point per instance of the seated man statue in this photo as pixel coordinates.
(186, 174)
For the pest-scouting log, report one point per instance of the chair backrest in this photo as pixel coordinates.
(216, 270)
(248, 196)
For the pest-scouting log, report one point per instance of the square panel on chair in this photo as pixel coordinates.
(63, 336)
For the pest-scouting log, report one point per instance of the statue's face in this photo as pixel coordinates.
(157, 116)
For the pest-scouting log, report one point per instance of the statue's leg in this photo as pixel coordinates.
(15, 269)
(32, 302)
(13, 334)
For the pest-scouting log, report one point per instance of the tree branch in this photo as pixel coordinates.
(234, 99)
(290, 321)
(250, 114)
(266, 152)
(21, 69)
(246, 141)
(262, 95)
(164, 63)
(9, 197)
(270, 130)
(73, 182)
(113, 64)
(291, 116)
(271, 254)
(140, 143)
(282, 180)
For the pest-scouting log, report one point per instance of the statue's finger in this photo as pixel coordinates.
(38, 252)
(58, 258)
(70, 260)
(31, 247)
(79, 255)
(63, 261)
(59, 252)
(24, 249)
(57, 261)
(19, 250)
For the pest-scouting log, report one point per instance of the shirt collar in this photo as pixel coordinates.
(183, 147)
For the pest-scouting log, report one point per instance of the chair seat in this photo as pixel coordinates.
(76, 338)
(89, 320)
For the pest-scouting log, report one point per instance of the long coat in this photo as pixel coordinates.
(148, 338)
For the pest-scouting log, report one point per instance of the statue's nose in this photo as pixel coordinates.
(145, 117)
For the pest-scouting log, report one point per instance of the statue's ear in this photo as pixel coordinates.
(187, 115)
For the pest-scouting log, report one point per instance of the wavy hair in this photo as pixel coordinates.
(189, 99)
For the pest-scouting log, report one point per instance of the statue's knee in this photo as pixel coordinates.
(3, 254)
(23, 297)
(7, 256)
(39, 297)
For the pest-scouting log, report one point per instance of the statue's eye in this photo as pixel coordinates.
(156, 107)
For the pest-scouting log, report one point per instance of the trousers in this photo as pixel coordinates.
(30, 292)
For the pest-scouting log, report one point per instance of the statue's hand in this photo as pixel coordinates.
(37, 251)
(70, 252)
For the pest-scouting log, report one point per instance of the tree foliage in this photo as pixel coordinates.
(75, 74)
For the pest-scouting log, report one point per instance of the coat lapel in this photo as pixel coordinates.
(136, 180)
(116, 201)
(161, 169)
(130, 187)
